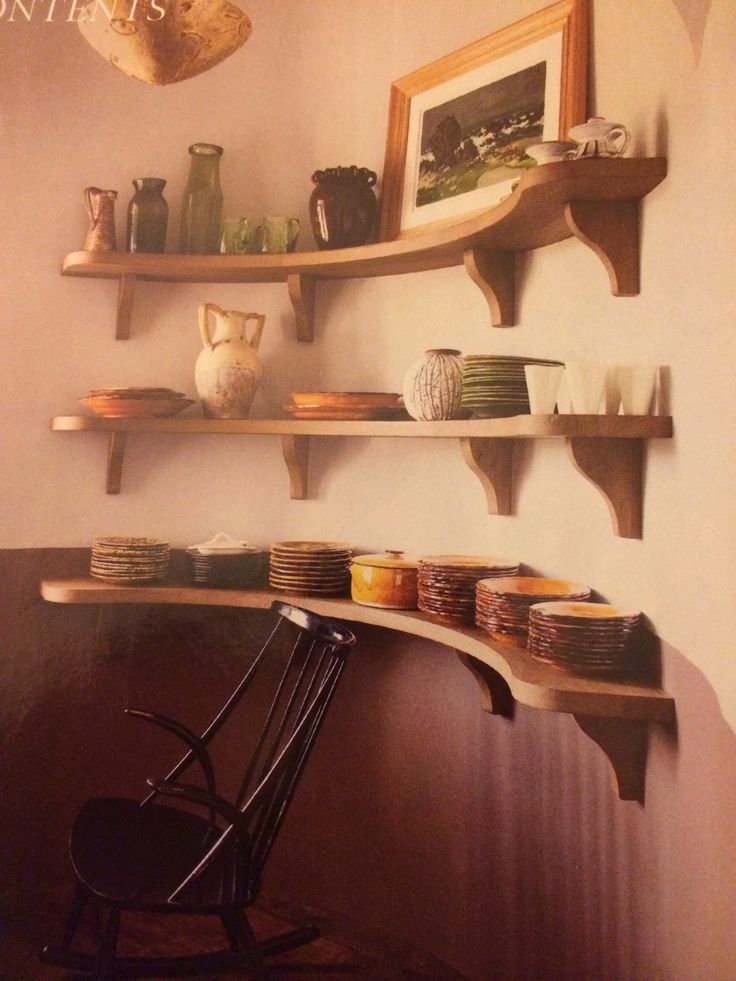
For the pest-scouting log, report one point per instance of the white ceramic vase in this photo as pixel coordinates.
(433, 385)
(228, 370)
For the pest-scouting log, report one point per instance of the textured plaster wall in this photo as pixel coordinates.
(309, 90)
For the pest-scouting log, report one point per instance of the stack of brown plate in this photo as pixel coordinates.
(239, 570)
(319, 568)
(129, 561)
(131, 402)
(345, 405)
(591, 638)
(447, 583)
(502, 605)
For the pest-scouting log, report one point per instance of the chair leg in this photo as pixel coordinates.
(106, 952)
(242, 940)
(79, 901)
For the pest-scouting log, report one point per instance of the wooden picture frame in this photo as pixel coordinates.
(530, 76)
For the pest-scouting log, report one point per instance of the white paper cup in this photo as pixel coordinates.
(637, 384)
(543, 383)
(585, 384)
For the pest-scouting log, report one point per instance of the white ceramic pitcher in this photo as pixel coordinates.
(228, 370)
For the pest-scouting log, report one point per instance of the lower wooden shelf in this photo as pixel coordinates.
(607, 450)
(615, 714)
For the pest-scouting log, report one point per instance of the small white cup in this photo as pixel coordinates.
(637, 384)
(543, 383)
(585, 384)
(612, 392)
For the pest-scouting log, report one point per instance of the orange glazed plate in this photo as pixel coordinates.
(122, 408)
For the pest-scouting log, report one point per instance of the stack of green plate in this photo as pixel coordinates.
(494, 385)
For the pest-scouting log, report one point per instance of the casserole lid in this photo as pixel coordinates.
(390, 559)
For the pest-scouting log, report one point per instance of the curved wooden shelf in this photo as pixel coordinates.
(594, 200)
(607, 450)
(614, 713)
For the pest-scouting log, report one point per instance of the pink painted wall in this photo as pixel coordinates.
(525, 857)
(497, 846)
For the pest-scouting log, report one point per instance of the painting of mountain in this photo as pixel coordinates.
(480, 137)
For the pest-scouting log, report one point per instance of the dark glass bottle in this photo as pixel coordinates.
(148, 215)
(201, 208)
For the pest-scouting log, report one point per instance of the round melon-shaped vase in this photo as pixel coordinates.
(433, 386)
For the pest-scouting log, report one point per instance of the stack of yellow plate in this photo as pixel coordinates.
(132, 402)
(319, 568)
(129, 561)
(502, 605)
(447, 583)
(345, 405)
(588, 638)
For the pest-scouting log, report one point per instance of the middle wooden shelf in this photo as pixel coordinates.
(607, 450)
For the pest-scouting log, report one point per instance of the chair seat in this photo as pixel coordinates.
(128, 853)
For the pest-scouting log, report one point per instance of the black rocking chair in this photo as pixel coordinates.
(156, 857)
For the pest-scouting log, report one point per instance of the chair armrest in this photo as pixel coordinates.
(192, 740)
(197, 795)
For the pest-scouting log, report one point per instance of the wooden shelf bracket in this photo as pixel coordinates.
(491, 460)
(625, 743)
(494, 273)
(115, 458)
(611, 230)
(495, 694)
(126, 296)
(302, 296)
(615, 467)
(295, 449)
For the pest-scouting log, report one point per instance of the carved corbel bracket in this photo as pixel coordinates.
(625, 743)
(611, 230)
(295, 449)
(615, 467)
(494, 273)
(491, 460)
(495, 694)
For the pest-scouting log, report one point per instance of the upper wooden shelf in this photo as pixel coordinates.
(614, 713)
(595, 200)
(607, 450)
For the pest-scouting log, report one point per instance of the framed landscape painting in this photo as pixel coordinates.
(459, 127)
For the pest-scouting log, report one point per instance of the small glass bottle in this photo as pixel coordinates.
(201, 209)
(148, 215)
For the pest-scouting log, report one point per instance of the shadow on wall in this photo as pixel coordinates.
(497, 846)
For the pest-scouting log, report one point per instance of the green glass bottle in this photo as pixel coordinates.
(201, 209)
(148, 215)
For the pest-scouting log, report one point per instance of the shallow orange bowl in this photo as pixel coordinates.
(534, 586)
(345, 398)
(135, 408)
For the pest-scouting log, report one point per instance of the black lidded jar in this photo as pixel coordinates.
(342, 206)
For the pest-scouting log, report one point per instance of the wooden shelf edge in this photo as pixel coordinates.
(531, 217)
(531, 683)
(513, 427)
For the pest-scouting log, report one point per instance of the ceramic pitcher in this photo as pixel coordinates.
(101, 211)
(228, 370)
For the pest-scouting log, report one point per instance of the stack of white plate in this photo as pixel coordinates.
(495, 385)
(319, 568)
(447, 583)
(129, 561)
(589, 638)
(502, 605)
